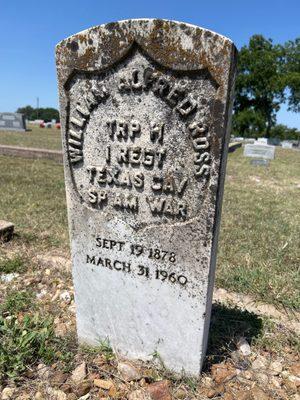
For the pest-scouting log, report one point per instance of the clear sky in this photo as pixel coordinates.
(30, 29)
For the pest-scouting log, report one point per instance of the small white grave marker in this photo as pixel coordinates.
(259, 151)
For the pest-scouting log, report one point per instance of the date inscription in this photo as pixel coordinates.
(165, 274)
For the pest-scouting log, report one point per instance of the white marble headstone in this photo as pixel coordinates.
(145, 109)
(259, 150)
(286, 144)
(262, 140)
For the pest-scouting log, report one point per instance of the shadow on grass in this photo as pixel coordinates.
(227, 325)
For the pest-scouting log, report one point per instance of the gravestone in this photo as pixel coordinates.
(145, 108)
(249, 140)
(6, 230)
(260, 151)
(262, 140)
(287, 144)
(12, 122)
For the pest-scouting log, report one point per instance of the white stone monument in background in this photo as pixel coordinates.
(287, 144)
(259, 150)
(262, 140)
(12, 122)
(145, 110)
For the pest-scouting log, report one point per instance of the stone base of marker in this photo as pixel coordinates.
(6, 231)
(260, 162)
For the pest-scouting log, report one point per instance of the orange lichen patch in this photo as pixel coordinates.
(161, 39)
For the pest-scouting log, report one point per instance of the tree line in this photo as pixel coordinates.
(47, 114)
(268, 76)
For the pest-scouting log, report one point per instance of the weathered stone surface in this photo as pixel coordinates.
(6, 230)
(160, 390)
(7, 393)
(145, 108)
(128, 372)
(79, 373)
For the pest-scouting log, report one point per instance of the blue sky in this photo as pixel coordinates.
(29, 31)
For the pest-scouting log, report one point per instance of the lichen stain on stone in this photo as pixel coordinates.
(174, 45)
(86, 60)
(73, 45)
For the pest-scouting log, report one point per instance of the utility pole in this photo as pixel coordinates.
(37, 107)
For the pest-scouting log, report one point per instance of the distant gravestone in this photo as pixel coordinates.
(249, 140)
(12, 122)
(259, 151)
(145, 109)
(286, 144)
(262, 140)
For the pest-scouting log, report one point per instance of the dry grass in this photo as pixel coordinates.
(33, 197)
(41, 138)
(259, 248)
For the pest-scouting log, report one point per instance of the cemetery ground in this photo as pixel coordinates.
(36, 137)
(253, 351)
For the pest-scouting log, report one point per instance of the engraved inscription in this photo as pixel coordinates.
(139, 140)
(127, 250)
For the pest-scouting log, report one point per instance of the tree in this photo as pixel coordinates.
(292, 74)
(46, 114)
(248, 122)
(27, 111)
(258, 87)
(268, 75)
(283, 132)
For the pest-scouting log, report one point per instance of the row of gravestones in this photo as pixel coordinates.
(17, 122)
(286, 144)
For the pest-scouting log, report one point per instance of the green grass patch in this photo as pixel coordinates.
(14, 265)
(103, 348)
(41, 138)
(16, 301)
(29, 341)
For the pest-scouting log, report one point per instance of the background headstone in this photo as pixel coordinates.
(287, 144)
(12, 122)
(145, 109)
(259, 150)
(262, 140)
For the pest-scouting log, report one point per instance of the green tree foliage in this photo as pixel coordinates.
(47, 114)
(283, 132)
(27, 111)
(268, 75)
(292, 74)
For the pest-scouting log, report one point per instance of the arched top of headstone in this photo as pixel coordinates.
(175, 45)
